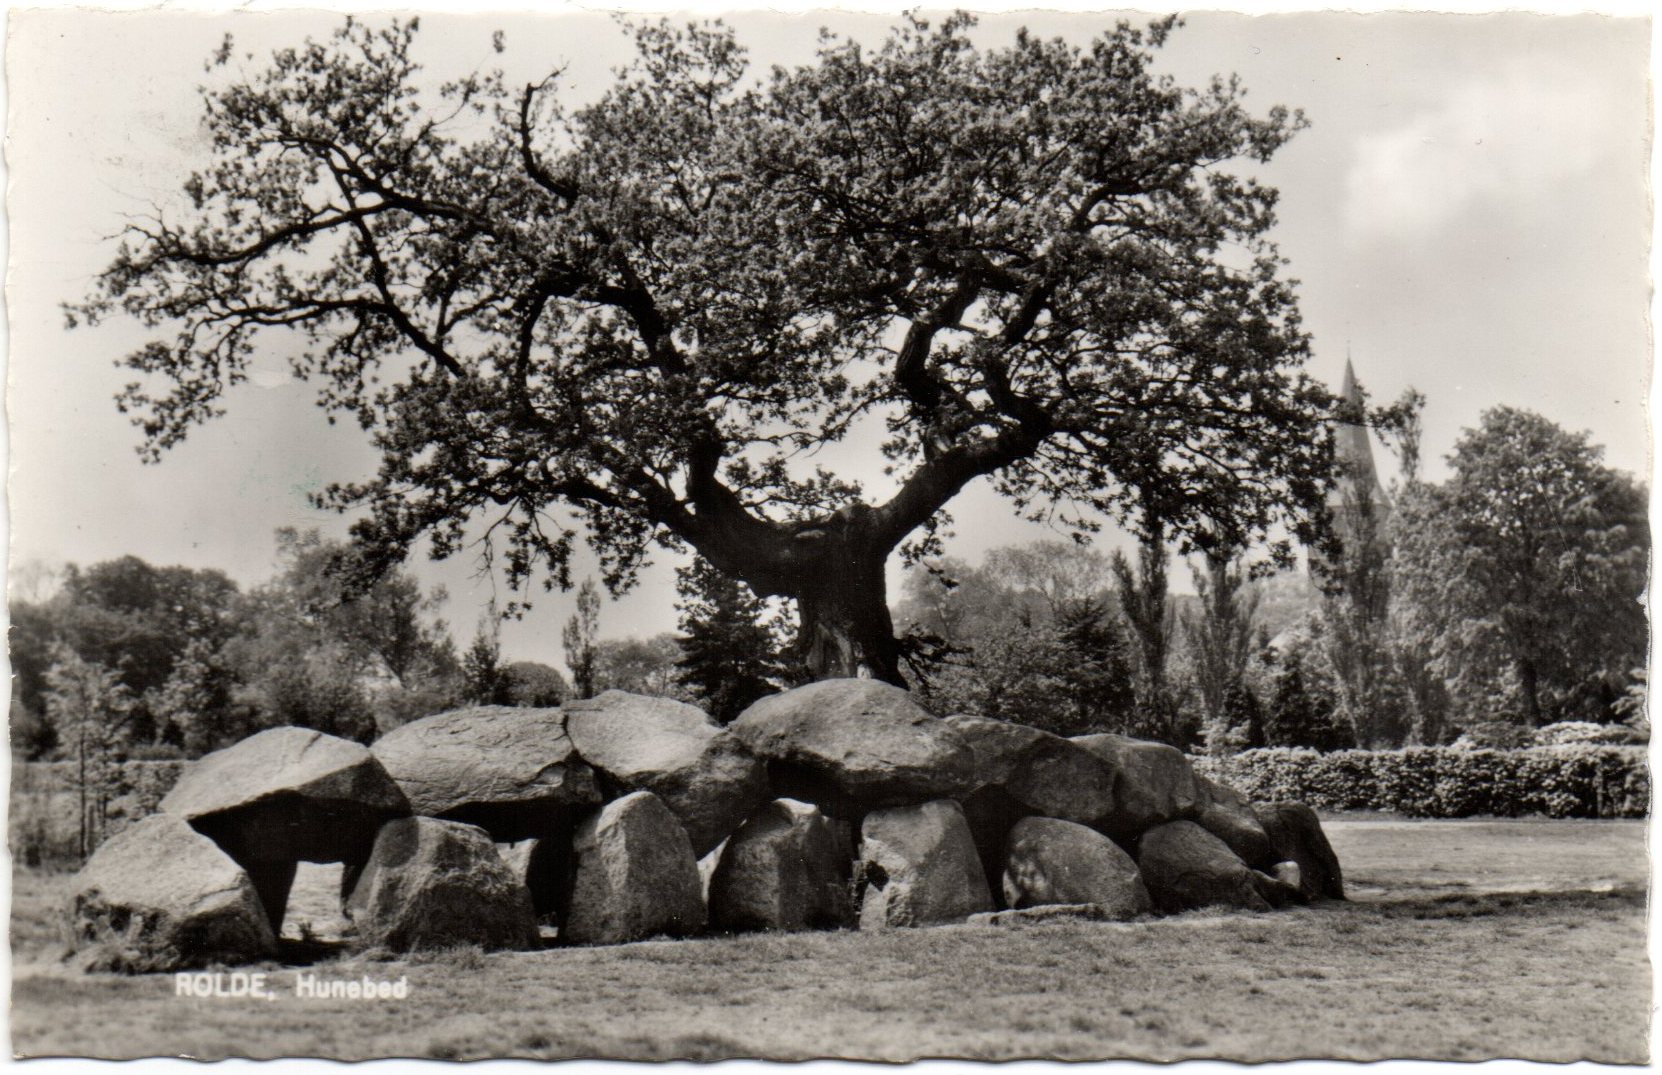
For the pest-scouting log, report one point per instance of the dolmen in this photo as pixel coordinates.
(842, 804)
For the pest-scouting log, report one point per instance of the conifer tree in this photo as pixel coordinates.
(730, 657)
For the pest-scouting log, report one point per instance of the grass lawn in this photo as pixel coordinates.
(1467, 940)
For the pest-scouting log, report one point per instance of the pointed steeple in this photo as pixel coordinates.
(1353, 449)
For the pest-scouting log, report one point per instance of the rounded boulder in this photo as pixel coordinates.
(1153, 784)
(512, 771)
(850, 745)
(1186, 868)
(702, 772)
(1296, 834)
(438, 884)
(634, 875)
(159, 896)
(1045, 773)
(1048, 861)
(285, 796)
(919, 867)
(781, 871)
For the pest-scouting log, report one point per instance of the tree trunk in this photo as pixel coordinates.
(1529, 685)
(846, 629)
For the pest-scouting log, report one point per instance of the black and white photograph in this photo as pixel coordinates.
(868, 535)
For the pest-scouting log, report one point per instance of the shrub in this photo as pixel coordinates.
(1576, 780)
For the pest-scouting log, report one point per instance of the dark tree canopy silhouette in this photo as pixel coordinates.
(633, 321)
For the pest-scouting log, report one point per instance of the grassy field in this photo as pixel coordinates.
(1467, 940)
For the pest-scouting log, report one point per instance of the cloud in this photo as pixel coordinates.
(1512, 141)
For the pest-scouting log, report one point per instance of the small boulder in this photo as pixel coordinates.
(438, 884)
(285, 796)
(781, 871)
(850, 745)
(1154, 784)
(919, 867)
(1186, 868)
(1296, 834)
(1226, 814)
(512, 771)
(700, 770)
(1045, 773)
(159, 896)
(634, 875)
(1048, 861)
(1277, 892)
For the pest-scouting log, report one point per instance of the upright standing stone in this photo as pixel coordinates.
(781, 871)
(701, 771)
(286, 796)
(1186, 868)
(1296, 834)
(634, 875)
(159, 896)
(1059, 862)
(919, 867)
(438, 884)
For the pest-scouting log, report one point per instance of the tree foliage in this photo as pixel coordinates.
(203, 664)
(533, 684)
(628, 319)
(1143, 595)
(1029, 636)
(640, 665)
(1220, 634)
(580, 637)
(1525, 571)
(91, 709)
(730, 656)
(351, 661)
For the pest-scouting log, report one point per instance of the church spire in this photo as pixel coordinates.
(1353, 450)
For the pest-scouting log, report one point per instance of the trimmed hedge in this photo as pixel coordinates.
(1579, 780)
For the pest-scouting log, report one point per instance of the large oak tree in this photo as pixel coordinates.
(634, 320)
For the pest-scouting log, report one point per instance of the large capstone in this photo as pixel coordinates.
(439, 884)
(918, 867)
(285, 796)
(1047, 774)
(782, 870)
(701, 771)
(1296, 834)
(850, 745)
(512, 771)
(159, 896)
(1185, 868)
(634, 875)
(1058, 862)
(1154, 784)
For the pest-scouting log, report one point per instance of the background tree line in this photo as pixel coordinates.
(1506, 597)
(125, 659)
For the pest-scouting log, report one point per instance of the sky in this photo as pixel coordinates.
(1467, 215)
